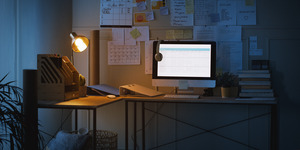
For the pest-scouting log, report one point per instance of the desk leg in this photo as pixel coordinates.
(143, 125)
(126, 125)
(94, 127)
(76, 119)
(134, 126)
(273, 127)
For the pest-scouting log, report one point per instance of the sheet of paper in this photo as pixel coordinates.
(229, 56)
(189, 6)
(123, 54)
(170, 35)
(227, 12)
(140, 17)
(256, 52)
(205, 33)
(164, 11)
(178, 14)
(218, 33)
(118, 37)
(253, 42)
(149, 16)
(246, 12)
(148, 56)
(187, 34)
(206, 12)
(143, 30)
(141, 6)
(116, 13)
(229, 33)
(135, 33)
(156, 4)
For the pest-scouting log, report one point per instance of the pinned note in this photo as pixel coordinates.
(164, 11)
(149, 16)
(135, 33)
(140, 17)
(141, 6)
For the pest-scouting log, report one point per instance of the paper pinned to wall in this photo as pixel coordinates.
(118, 37)
(218, 33)
(123, 54)
(246, 12)
(178, 14)
(227, 12)
(115, 13)
(229, 56)
(148, 56)
(206, 12)
(144, 35)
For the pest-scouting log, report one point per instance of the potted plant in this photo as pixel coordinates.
(228, 83)
(11, 116)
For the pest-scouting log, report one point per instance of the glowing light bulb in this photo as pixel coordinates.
(80, 44)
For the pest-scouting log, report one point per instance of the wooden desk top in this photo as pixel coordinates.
(89, 102)
(94, 102)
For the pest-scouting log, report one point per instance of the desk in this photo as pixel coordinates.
(202, 100)
(89, 103)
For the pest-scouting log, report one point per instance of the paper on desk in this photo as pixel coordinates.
(149, 15)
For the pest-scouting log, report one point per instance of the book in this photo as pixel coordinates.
(256, 98)
(256, 87)
(256, 90)
(255, 83)
(257, 94)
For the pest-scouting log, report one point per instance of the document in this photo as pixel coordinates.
(246, 12)
(206, 12)
(123, 54)
(115, 13)
(218, 33)
(179, 17)
(118, 37)
(148, 56)
(227, 12)
(229, 56)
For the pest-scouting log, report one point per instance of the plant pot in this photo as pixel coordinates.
(225, 92)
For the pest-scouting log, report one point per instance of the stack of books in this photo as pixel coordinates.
(255, 84)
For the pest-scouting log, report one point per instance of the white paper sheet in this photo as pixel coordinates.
(218, 33)
(178, 14)
(123, 54)
(118, 37)
(227, 12)
(206, 12)
(246, 13)
(229, 56)
(116, 13)
(148, 56)
(129, 40)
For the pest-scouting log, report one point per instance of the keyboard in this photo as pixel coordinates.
(181, 96)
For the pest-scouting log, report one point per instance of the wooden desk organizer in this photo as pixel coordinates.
(58, 79)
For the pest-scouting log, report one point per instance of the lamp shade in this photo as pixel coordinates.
(79, 42)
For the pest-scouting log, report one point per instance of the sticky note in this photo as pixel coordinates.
(170, 35)
(164, 11)
(187, 34)
(135, 33)
(249, 2)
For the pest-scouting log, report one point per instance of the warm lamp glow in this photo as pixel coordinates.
(79, 43)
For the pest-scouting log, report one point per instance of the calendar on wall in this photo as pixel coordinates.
(115, 13)
(123, 54)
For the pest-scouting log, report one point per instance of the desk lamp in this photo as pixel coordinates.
(79, 42)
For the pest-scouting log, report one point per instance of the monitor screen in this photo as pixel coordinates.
(185, 60)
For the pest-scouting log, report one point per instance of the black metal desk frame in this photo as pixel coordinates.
(231, 101)
(87, 103)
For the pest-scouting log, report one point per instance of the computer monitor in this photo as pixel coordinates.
(188, 63)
